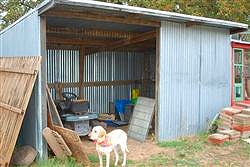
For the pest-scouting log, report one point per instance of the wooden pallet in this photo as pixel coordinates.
(17, 78)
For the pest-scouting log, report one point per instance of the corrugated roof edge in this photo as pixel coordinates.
(162, 15)
(42, 5)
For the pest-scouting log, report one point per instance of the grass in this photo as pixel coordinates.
(187, 144)
(185, 152)
(185, 149)
(54, 162)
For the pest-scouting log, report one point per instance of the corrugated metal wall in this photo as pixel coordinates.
(23, 39)
(101, 66)
(63, 66)
(111, 66)
(194, 78)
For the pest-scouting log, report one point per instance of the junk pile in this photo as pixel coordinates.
(62, 141)
(233, 124)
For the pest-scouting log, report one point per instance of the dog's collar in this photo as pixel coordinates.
(105, 143)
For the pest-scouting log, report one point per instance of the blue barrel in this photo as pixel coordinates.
(120, 107)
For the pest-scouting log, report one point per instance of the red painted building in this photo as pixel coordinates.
(240, 72)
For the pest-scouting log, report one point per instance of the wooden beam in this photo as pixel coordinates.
(78, 32)
(11, 108)
(157, 82)
(94, 84)
(19, 71)
(73, 41)
(104, 17)
(138, 38)
(81, 71)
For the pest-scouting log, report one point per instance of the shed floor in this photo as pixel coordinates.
(138, 151)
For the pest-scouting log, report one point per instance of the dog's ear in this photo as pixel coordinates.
(102, 133)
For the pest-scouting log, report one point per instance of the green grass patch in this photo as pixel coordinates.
(54, 162)
(93, 158)
(184, 144)
(187, 162)
(155, 161)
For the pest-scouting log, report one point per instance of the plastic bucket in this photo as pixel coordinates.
(120, 107)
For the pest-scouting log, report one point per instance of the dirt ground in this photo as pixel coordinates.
(138, 151)
(190, 151)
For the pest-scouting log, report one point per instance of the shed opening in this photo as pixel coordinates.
(100, 56)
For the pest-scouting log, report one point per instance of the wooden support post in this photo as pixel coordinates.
(81, 71)
(157, 81)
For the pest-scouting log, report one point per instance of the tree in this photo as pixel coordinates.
(11, 10)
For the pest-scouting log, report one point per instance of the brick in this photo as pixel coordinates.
(230, 133)
(231, 110)
(246, 111)
(218, 138)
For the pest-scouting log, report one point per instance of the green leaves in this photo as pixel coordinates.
(14, 9)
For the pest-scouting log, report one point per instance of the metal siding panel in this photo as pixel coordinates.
(215, 73)
(23, 39)
(110, 66)
(63, 66)
(187, 56)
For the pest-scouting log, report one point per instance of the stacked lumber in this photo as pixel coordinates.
(234, 135)
(225, 121)
(226, 117)
(232, 110)
(241, 122)
(218, 138)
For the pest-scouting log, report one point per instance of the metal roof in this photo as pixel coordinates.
(142, 12)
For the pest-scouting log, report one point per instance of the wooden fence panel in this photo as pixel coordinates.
(17, 78)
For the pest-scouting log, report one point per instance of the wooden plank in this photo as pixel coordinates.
(56, 143)
(20, 70)
(75, 41)
(141, 119)
(53, 110)
(98, 83)
(81, 71)
(75, 144)
(89, 33)
(104, 17)
(138, 38)
(15, 92)
(11, 108)
(157, 81)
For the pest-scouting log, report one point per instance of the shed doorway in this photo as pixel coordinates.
(101, 61)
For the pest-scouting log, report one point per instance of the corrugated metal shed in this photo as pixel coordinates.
(194, 76)
(194, 67)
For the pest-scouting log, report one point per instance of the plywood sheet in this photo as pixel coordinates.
(17, 78)
(53, 110)
(141, 119)
(56, 143)
(74, 143)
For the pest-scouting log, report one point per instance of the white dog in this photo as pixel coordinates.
(105, 143)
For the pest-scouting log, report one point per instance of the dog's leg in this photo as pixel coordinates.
(107, 159)
(123, 148)
(116, 155)
(100, 159)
